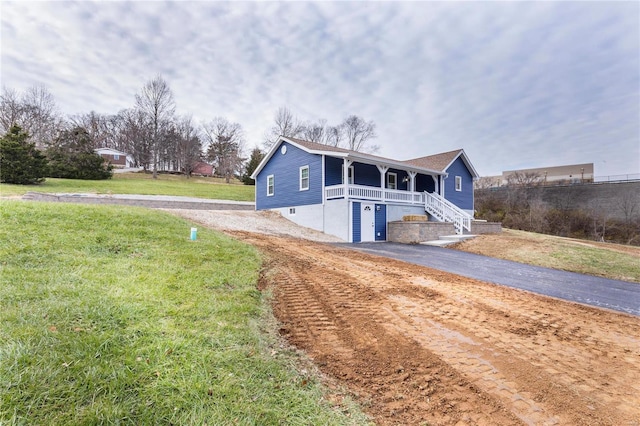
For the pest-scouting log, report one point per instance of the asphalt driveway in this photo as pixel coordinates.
(601, 292)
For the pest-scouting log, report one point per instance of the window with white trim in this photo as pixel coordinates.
(116, 157)
(270, 185)
(458, 183)
(392, 180)
(304, 178)
(351, 174)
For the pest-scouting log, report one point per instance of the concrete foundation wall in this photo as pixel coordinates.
(417, 232)
(308, 216)
(337, 218)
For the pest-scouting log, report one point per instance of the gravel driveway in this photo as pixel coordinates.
(261, 222)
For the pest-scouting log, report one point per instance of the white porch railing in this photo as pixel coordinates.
(372, 193)
(445, 211)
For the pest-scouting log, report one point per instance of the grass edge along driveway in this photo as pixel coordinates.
(112, 315)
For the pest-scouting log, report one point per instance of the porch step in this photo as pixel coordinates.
(445, 240)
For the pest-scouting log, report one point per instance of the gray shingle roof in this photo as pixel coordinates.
(435, 162)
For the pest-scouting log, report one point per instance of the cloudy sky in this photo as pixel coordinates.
(515, 84)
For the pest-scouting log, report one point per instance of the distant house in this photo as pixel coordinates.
(354, 195)
(116, 158)
(203, 169)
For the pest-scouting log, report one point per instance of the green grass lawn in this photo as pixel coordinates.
(141, 183)
(112, 315)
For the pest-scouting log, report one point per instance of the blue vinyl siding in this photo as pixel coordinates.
(381, 222)
(425, 183)
(464, 198)
(333, 171)
(286, 172)
(366, 174)
(357, 221)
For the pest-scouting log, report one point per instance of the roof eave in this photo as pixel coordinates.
(353, 155)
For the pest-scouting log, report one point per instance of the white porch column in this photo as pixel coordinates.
(345, 176)
(383, 172)
(412, 181)
(436, 185)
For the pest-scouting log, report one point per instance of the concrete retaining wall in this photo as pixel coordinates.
(479, 227)
(617, 200)
(417, 232)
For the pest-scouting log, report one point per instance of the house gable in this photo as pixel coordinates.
(462, 198)
(285, 163)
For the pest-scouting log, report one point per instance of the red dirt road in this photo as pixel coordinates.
(420, 346)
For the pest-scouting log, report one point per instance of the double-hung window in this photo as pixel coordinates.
(304, 178)
(270, 185)
(458, 183)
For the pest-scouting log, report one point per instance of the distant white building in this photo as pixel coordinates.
(573, 173)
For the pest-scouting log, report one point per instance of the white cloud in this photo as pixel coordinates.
(515, 84)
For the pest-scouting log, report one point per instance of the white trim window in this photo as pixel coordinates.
(459, 183)
(351, 174)
(304, 178)
(392, 180)
(271, 186)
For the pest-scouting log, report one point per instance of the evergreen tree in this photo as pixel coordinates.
(20, 161)
(72, 157)
(254, 161)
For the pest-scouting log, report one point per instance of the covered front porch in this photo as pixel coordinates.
(379, 181)
(400, 186)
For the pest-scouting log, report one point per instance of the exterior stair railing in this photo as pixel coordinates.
(445, 211)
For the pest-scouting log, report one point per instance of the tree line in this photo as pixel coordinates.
(160, 140)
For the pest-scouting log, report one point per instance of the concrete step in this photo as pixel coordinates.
(456, 237)
(438, 243)
(445, 240)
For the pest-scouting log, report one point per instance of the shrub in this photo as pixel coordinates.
(73, 158)
(20, 161)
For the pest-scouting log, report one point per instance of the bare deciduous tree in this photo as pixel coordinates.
(357, 132)
(334, 136)
(528, 179)
(10, 110)
(156, 101)
(315, 132)
(285, 124)
(96, 125)
(35, 112)
(134, 136)
(226, 143)
(189, 147)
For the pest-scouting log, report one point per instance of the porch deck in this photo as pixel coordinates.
(372, 193)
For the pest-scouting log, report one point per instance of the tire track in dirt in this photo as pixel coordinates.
(419, 345)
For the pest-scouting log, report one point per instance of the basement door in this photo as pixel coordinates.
(367, 222)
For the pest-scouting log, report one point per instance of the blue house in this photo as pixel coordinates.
(354, 195)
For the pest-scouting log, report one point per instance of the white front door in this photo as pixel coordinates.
(368, 222)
